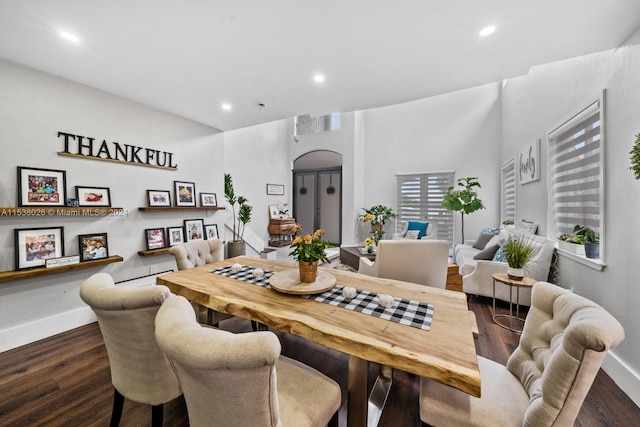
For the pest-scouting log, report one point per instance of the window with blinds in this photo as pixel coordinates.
(508, 196)
(419, 198)
(576, 178)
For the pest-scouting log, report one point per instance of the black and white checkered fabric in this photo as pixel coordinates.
(406, 312)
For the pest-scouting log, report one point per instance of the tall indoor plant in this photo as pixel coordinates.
(241, 217)
(464, 200)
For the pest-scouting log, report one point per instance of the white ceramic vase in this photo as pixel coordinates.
(515, 273)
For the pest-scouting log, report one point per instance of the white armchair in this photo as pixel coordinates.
(416, 261)
(431, 233)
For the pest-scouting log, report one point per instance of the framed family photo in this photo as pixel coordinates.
(41, 187)
(93, 246)
(185, 193)
(194, 229)
(274, 212)
(93, 196)
(208, 200)
(158, 198)
(175, 235)
(155, 238)
(211, 231)
(33, 246)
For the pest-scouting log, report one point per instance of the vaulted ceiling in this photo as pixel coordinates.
(191, 57)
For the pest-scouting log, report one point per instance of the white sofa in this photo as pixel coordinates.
(431, 234)
(476, 274)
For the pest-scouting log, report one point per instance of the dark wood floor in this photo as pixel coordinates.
(64, 381)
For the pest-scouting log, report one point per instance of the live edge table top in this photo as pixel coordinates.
(445, 353)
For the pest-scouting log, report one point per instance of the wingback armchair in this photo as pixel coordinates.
(197, 252)
(565, 339)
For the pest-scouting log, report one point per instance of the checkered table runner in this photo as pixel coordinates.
(406, 312)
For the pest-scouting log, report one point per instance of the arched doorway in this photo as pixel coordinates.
(317, 193)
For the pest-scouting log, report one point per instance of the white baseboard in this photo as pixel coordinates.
(44, 328)
(625, 377)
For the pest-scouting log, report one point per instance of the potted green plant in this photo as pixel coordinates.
(378, 216)
(237, 245)
(590, 240)
(518, 251)
(463, 200)
(308, 251)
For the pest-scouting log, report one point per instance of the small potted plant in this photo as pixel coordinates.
(518, 251)
(308, 251)
(590, 240)
(378, 216)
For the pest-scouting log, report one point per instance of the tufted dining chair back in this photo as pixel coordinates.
(140, 371)
(197, 252)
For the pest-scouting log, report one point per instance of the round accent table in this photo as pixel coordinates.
(510, 318)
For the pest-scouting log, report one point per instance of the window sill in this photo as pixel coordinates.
(596, 264)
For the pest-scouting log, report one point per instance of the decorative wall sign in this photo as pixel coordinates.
(529, 163)
(275, 189)
(89, 148)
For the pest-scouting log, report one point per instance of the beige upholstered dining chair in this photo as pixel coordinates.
(197, 252)
(565, 339)
(194, 254)
(416, 261)
(140, 371)
(261, 387)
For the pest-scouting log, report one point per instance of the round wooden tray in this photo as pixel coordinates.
(288, 282)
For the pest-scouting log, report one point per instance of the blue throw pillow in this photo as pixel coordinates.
(499, 255)
(491, 230)
(420, 226)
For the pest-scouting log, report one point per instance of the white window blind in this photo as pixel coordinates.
(419, 198)
(576, 172)
(508, 197)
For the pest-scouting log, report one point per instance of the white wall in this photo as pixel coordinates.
(33, 108)
(535, 104)
(457, 131)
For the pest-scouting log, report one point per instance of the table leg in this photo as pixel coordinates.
(357, 392)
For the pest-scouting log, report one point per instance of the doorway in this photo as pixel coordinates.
(317, 194)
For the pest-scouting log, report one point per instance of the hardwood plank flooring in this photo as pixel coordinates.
(64, 381)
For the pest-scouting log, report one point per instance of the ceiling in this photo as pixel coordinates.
(189, 57)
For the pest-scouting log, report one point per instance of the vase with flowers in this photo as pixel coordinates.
(308, 251)
(369, 246)
(378, 216)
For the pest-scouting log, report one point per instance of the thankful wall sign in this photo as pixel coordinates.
(91, 148)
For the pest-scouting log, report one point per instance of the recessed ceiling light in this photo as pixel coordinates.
(226, 107)
(318, 78)
(69, 36)
(487, 30)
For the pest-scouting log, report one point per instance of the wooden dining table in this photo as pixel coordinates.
(444, 353)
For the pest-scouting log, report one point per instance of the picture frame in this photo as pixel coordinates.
(274, 213)
(185, 193)
(275, 189)
(193, 229)
(33, 246)
(211, 231)
(93, 246)
(158, 198)
(208, 200)
(41, 187)
(175, 235)
(155, 238)
(93, 196)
